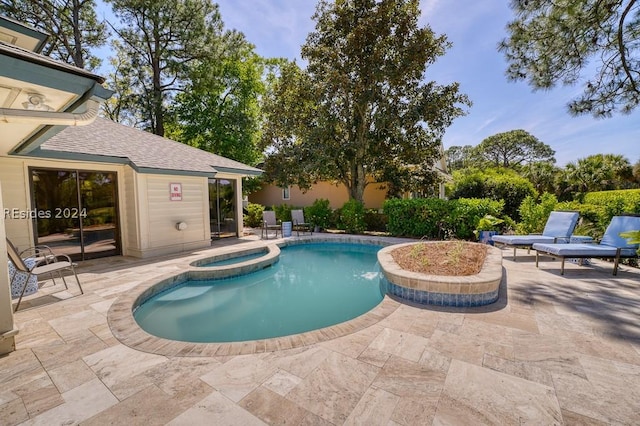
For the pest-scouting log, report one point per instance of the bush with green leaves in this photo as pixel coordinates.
(375, 221)
(253, 218)
(283, 212)
(534, 213)
(621, 201)
(462, 220)
(433, 218)
(319, 213)
(352, 217)
(492, 183)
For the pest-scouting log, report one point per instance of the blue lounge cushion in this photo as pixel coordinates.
(582, 250)
(522, 240)
(611, 241)
(558, 228)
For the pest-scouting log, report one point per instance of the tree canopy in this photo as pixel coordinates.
(73, 27)
(553, 42)
(514, 148)
(219, 111)
(361, 108)
(159, 40)
(599, 172)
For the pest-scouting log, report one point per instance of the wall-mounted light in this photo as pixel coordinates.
(36, 102)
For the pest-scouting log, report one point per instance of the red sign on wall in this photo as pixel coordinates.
(175, 191)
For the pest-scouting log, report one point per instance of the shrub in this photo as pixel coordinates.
(495, 184)
(418, 217)
(352, 217)
(621, 201)
(319, 213)
(253, 218)
(534, 215)
(375, 221)
(434, 218)
(283, 212)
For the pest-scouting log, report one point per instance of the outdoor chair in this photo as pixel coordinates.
(269, 223)
(558, 229)
(612, 245)
(297, 216)
(47, 265)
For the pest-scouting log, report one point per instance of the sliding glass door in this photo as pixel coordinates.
(222, 208)
(77, 212)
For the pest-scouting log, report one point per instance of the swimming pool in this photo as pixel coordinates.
(312, 286)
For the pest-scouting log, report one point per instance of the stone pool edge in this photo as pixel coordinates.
(125, 329)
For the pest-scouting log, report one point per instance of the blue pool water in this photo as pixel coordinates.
(312, 286)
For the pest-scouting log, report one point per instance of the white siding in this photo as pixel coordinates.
(159, 215)
(129, 218)
(15, 195)
(14, 174)
(147, 216)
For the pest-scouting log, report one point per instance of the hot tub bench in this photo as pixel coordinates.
(457, 291)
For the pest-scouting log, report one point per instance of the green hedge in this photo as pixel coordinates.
(596, 210)
(434, 218)
(620, 201)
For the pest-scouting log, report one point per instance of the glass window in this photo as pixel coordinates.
(286, 193)
(222, 208)
(77, 212)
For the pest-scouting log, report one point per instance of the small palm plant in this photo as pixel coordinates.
(488, 223)
(633, 237)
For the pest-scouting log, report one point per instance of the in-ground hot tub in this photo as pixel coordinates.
(440, 290)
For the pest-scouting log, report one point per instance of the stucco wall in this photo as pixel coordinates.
(337, 195)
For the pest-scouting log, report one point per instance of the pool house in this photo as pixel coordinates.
(90, 187)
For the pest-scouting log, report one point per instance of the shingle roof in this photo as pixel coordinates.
(142, 150)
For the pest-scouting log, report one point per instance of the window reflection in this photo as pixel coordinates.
(78, 212)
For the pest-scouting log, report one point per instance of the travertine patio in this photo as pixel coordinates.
(553, 350)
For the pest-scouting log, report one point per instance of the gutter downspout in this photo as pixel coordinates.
(52, 118)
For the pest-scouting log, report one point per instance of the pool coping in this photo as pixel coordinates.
(126, 330)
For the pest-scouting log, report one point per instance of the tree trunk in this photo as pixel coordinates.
(357, 182)
(77, 35)
(157, 111)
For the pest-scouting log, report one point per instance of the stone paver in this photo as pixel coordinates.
(552, 350)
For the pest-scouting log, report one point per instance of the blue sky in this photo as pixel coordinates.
(279, 27)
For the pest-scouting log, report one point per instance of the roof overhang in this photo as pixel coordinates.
(62, 88)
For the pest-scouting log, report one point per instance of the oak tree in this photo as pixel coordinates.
(361, 110)
(514, 148)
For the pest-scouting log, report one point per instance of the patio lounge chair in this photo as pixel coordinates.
(558, 229)
(48, 265)
(269, 223)
(612, 245)
(297, 216)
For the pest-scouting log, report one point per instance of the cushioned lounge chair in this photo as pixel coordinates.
(48, 265)
(297, 216)
(612, 245)
(269, 223)
(558, 229)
